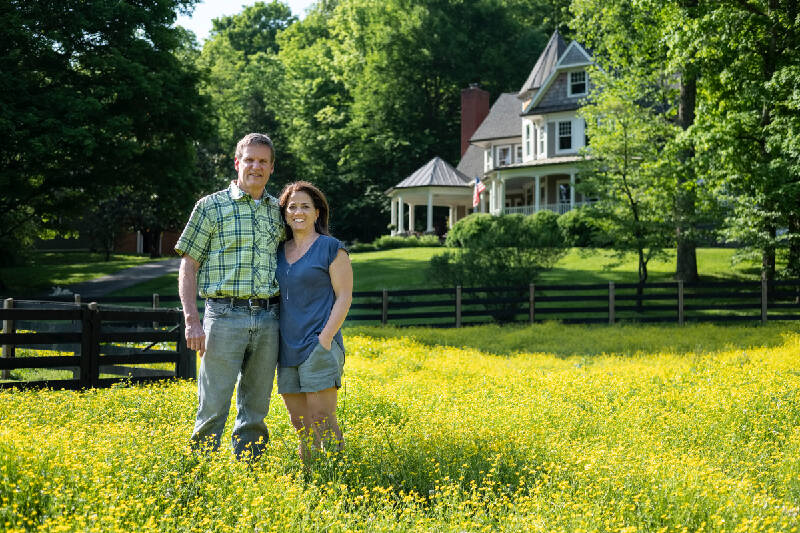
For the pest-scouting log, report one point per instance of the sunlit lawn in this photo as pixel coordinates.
(407, 268)
(46, 270)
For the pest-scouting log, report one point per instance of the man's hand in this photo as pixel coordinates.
(195, 336)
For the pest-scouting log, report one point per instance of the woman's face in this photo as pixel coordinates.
(300, 212)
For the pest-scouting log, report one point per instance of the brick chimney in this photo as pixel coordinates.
(474, 108)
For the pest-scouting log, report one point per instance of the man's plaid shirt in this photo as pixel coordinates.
(235, 243)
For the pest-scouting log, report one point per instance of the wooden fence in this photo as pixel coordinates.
(103, 343)
(609, 303)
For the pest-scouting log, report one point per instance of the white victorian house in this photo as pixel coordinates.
(525, 149)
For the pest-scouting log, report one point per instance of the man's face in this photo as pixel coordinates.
(254, 168)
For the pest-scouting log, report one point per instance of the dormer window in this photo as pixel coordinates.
(577, 83)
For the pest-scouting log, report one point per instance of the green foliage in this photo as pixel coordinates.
(373, 89)
(388, 242)
(504, 251)
(95, 95)
(748, 125)
(582, 229)
(245, 82)
(628, 168)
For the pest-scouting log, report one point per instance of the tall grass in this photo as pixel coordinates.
(441, 438)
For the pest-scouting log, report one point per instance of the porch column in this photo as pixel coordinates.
(429, 229)
(483, 203)
(400, 228)
(451, 214)
(502, 205)
(537, 198)
(572, 190)
(411, 218)
(393, 209)
(493, 197)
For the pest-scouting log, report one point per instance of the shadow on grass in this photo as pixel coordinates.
(582, 340)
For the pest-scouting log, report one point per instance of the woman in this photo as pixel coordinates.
(316, 282)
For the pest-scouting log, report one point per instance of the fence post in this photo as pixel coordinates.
(155, 307)
(458, 306)
(680, 302)
(611, 310)
(86, 348)
(531, 303)
(9, 350)
(763, 300)
(385, 307)
(90, 346)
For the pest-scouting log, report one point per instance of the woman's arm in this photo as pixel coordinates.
(342, 280)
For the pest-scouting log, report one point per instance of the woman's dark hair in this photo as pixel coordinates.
(320, 203)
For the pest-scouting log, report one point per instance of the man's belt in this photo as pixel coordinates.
(248, 302)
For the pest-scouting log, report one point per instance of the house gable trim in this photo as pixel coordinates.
(554, 74)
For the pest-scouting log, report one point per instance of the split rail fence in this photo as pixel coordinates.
(608, 303)
(98, 346)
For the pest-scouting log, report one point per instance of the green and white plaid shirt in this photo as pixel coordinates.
(235, 243)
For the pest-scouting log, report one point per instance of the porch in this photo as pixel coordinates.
(519, 191)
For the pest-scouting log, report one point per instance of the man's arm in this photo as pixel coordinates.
(187, 290)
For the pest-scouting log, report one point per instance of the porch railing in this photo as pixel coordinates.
(559, 208)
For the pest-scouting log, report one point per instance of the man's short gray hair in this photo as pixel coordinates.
(254, 138)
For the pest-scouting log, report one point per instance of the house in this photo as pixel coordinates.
(525, 148)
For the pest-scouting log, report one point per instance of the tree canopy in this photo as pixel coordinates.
(94, 96)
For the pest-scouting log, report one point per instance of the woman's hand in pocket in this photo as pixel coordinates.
(325, 341)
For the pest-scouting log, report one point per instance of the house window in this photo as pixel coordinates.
(528, 140)
(503, 156)
(519, 153)
(542, 132)
(577, 83)
(565, 135)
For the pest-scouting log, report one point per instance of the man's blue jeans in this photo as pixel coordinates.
(241, 350)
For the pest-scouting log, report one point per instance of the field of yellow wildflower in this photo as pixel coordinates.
(630, 429)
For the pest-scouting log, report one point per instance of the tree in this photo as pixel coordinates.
(373, 91)
(645, 39)
(94, 96)
(628, 171)
(244, 81)
(748, 122)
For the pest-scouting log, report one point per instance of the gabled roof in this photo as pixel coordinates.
(544, 65)
(574, 56)
(436, 172)
(471, 163)
(502, 121)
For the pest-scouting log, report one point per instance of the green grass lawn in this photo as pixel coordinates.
(45, 270)
(407, 268)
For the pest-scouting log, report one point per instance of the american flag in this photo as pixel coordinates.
(479, 188)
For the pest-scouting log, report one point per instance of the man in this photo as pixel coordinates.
(229, 248)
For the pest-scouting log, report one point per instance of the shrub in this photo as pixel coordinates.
(388, 242)
(505, 251)
(581, 228)
(361, 247)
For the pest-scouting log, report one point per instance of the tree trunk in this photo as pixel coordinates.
(768, 257)
(150, 242)
(642, 280)
(793, 268)
(686, 254)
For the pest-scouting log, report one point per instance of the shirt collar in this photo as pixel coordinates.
(236, 194)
